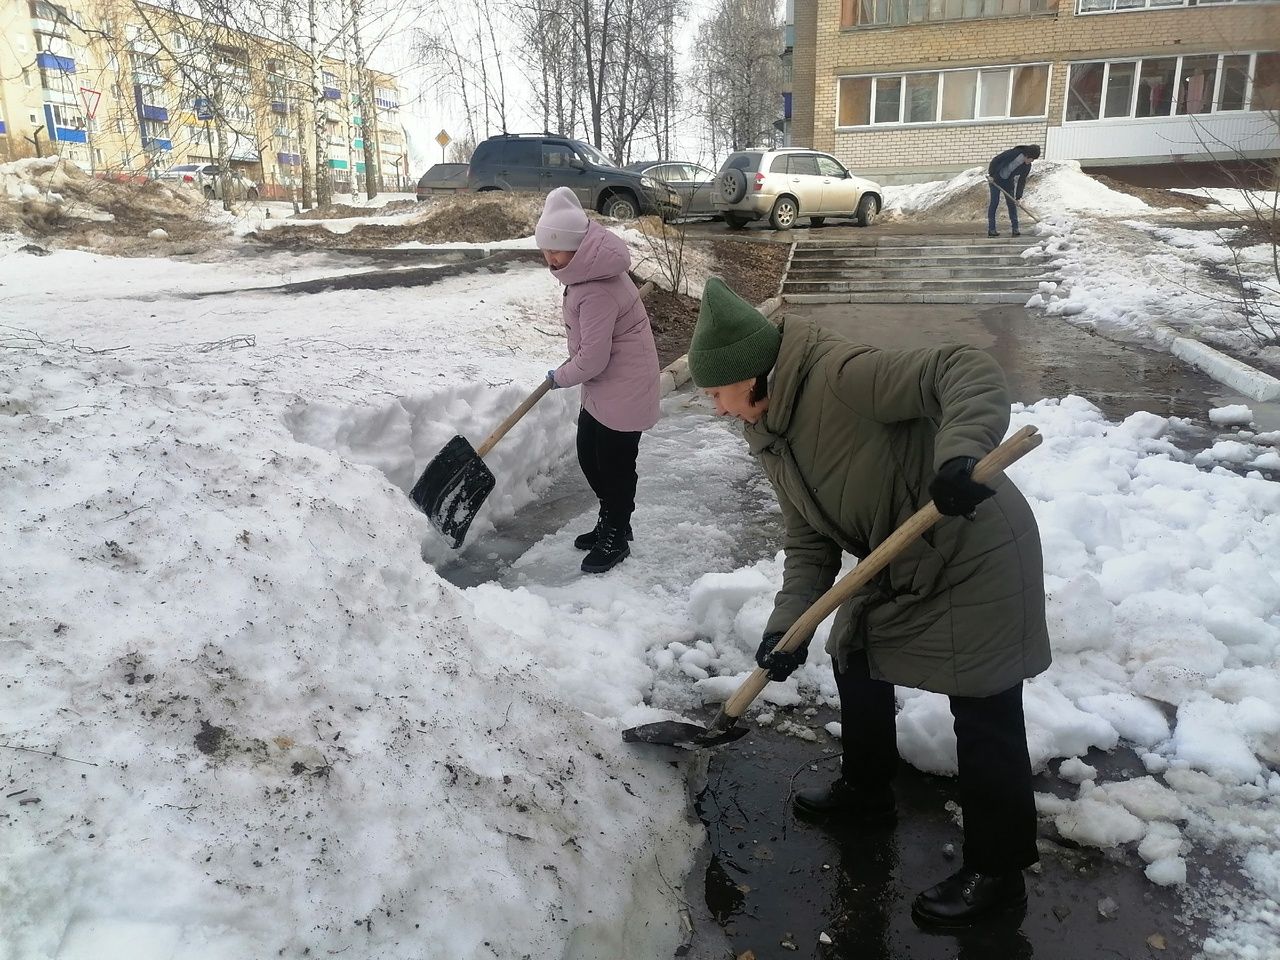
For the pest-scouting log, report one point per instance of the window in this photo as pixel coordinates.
(888, 100)
(802, 165)
(959, 87)
(855, 100)
(1235, 83)
(1120, 80)
(921, 98)
(1266, 82)
(945, 96)
(557, 155)
(521, 153)
(1195, 84)
(896, 13)
(1155, 87)
(1173, 86)
(1084, 91)
(1030, 91)
(830, 168)
(993, 97)
(1118, 6)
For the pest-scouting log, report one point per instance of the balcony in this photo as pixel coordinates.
(279, 106)
(332, 93)
(64, 97)
(288, 159)
(147, 78)
(51, 28)
(386, 104)
(49, 61)
(156, 145)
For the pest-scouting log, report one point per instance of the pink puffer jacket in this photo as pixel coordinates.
(612, 353)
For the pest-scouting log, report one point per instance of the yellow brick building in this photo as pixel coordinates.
(914, 89)
(127, 90)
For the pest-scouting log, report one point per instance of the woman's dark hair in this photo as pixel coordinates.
(760, 389)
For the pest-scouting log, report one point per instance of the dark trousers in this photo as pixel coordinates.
(995, 771)
(994, 206)
(608, 461)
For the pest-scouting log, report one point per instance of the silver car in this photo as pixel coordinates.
(694, 182)
(207, 179)
(784, 185)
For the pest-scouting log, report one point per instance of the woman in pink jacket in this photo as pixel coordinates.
(613, 357)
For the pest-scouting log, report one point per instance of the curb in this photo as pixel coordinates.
(676, 374)
(1237, 375)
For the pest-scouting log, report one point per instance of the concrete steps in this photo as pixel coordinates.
(916, 269)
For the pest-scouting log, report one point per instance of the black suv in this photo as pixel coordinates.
(539, 163)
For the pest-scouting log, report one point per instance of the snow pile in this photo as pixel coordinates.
(277, 729)
(1238, 199)
(1130, 279)
(40, 195)
(1054, 187)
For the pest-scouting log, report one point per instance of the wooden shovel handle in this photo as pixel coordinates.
(992, 180)
(528, 403)
(1013, 449)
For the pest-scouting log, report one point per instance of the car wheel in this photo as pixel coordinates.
(867, 210)
(733, 185)
(620, 206)
(253, 194)
(208, 193)
(734, 222)
(817, 221)
(784, 213)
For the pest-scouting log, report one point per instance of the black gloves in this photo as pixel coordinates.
(779, 665)
(955, 493)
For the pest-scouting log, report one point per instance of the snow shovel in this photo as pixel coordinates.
(456, 482)
(724, 728)
(992, 180)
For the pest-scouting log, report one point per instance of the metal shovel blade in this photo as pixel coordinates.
(452, 488)
(677, 733)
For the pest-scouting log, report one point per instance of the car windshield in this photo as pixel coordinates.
(592, 154)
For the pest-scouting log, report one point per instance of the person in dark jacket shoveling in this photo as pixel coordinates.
(1007, 173)
(855, 440)
(613, 357)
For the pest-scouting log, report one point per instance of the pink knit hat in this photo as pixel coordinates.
(562, 224)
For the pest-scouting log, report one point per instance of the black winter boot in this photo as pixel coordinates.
(586, 541)
(610, 548)
(840, 804)
(968, 896)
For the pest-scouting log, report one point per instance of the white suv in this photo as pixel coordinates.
(786, 184)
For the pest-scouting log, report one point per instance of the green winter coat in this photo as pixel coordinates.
(851, 440)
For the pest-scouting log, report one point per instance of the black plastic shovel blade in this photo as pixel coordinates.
(677, 733)
(452, 489)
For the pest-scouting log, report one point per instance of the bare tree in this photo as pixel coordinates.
(738, 74)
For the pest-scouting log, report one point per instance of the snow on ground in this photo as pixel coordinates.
(1129, 279)
(1237, 199)
(304, 738)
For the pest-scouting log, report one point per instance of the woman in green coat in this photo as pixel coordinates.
(855, 440)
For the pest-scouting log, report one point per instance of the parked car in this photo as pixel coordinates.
(541, 162)
(694, 182)
(443, 178)
(784, 185)
(207, 179)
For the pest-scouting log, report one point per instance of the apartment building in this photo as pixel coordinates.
(124, 90)
(1152, 90)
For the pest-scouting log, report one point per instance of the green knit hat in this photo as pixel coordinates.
(733, 341)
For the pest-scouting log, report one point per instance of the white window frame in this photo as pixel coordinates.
(1148, 6)
(1173, 102)
(937, 120)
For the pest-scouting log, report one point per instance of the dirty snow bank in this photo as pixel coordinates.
(295, 737)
